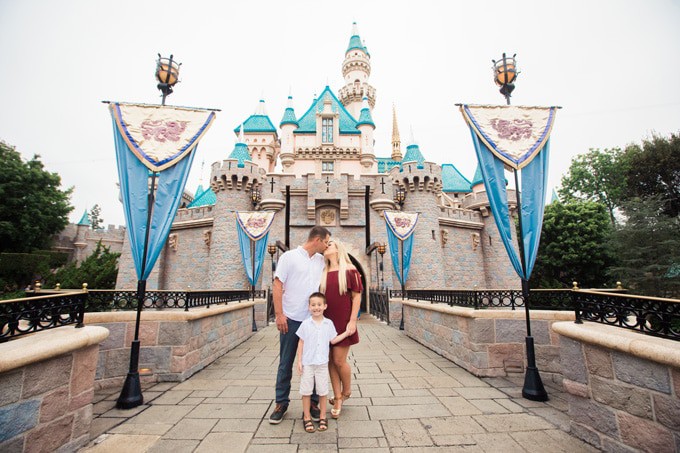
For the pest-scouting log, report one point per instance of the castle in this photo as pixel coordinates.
(330, 175)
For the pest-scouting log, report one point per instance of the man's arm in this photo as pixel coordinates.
(301, 345)
(281, 320)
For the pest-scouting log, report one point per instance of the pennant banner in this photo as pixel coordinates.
(253, 231)
(255, 224)
(400, 228)
(514, 134)
(135, 182)
(402, 224)
(158, 135)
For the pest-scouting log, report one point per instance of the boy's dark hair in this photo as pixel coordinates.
(318, 232)
(319, 295)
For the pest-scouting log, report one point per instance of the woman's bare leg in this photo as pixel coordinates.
(344, 371)
(335, 381)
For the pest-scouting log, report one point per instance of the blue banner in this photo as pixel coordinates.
(246, 253)
(534, 178)
(407, 246)
(134, 190)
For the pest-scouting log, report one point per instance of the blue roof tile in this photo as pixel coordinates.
(256, 123)
(206, 198)
(241, 154)
(385, 164)
(84, 220)
(477, 178)
(307, 123)
(453, 180)
(365, 117)
(413, 154)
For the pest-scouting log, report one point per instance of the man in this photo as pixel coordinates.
(298, 275)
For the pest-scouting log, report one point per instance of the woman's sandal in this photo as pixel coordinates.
(323, 424)
(335, 413)
(309, 426)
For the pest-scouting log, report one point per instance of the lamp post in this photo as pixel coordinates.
(381, 250)
(271, 249)
(505, 73)
(400, 196)
(167, 73)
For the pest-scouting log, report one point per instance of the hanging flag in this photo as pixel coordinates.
(400, 227)
(514, 134)
(158, 139)
(253, 227)
(518, 137)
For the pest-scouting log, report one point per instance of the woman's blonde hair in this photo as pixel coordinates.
(344, 264)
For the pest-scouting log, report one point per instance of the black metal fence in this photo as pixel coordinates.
(650, 315)
(22, 316)
(379, 304)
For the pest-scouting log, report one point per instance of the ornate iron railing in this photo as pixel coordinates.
(650, 315)
(379, 304)
(112, 300)
(478, 299)
(22, 316)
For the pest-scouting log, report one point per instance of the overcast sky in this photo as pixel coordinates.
(614, 67)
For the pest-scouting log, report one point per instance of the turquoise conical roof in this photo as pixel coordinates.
(289, 114)
(477, 178)
(355, 41)
(453, 180)
(413, 154)
(258, 122)
(84, 220)
(206, 198)
(241, 154)
(199, 191)
(365, 116)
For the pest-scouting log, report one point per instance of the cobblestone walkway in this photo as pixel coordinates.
(405, 399)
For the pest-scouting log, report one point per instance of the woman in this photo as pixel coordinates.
(341, 283)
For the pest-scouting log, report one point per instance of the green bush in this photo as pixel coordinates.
(17, 270)
(99, 271)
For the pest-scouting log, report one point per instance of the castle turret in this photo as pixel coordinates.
(366, 126)
(261, 138)
(356, 69)
(288, 125)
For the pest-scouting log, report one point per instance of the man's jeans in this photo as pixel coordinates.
(288, 349)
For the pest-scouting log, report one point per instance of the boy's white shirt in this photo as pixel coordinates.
(316, 338)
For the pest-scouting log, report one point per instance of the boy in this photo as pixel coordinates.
(315, 332)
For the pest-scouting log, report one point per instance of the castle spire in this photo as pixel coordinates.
(396, 142)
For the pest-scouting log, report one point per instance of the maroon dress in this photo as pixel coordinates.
(339, 308)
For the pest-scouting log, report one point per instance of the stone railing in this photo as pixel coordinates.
(487, 342)
(623, 387)
(175, 344)
(47, 382)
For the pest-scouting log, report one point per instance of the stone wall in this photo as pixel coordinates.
(488, 342)
(623, 387)
(174, 344)
(47, 382)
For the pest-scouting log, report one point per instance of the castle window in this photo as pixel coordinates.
(327, 130)
(327, 166)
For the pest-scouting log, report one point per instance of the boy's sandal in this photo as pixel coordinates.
(309, 426)
(323, 424)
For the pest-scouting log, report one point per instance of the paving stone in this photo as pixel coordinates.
(480, 393)
(174, 446)
(488, 406)
(375, 390)
(101, 425)
(459, 406)
(248, 425)
(283, 429)
(406, 433)
(404, 401)
(142, 428)
(442, 426)
(355, 429)
(228, 411)
(117, 443)
(498, 442)
(457, 440)
(402, 412)
(511, 422)
(355, 443)
(272, 448)
(190, 429)
(233, 442)
(162, 414)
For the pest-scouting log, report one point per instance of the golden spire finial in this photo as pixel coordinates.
(396, 142)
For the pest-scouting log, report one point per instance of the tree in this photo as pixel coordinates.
(654, 169)
(574, 245)
(96, 221)
(597, 176)
(648, 248)
(33, 206)
(99, 271)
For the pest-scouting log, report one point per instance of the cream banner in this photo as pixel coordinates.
(514, 134)
(255, 223)
(402, 224)
(160, 135)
